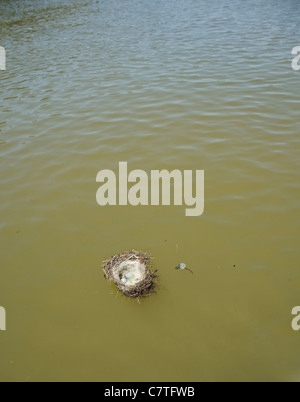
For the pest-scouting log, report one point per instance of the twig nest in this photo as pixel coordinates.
(131, 273)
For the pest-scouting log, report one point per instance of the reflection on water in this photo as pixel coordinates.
(186, 85)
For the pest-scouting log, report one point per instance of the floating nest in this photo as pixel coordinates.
(131, 273)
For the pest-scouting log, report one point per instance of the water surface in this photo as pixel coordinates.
(173, 84)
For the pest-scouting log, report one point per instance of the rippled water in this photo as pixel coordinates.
(173, 84)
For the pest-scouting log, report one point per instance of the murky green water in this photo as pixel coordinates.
(179, 84)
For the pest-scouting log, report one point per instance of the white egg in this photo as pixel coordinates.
(128, 276)
(123, 280)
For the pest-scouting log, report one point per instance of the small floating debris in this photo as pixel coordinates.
(182, 265)
(131, 273)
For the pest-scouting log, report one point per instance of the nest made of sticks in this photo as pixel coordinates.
(131, 272)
